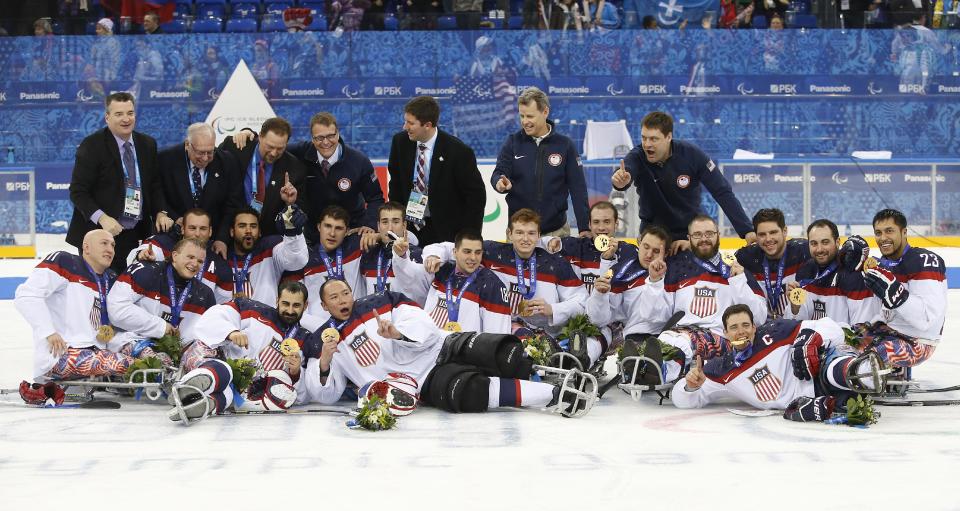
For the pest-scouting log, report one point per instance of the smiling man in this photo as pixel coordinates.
(668, 175)
(539, 169)
(773, 260)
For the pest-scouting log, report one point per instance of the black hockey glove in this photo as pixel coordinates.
(807, 351)
(886, 286)
(810, 409)
(291, 221)
(853, 253)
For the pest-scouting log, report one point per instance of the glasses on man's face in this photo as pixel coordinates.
(202, 154)
(702, 235)
(329, 138)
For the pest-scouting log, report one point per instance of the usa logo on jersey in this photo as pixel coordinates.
(704, 302)
(765, 384)
(366, 350)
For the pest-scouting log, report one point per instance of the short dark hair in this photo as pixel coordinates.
(293, 286)
(323, 286)
(659, 121)
(119, 97)
(197, 212)
(245, 210)
(335, 212)
(390, 206)
(324, 119)
(467, 233)
(700, 217)
(736, 309)
(897, 217)
(769, 215)
(424, 108)
(524, 215)
(278, 125)
(178, 246)
(604, 205)
(823, 222)
(658, 231)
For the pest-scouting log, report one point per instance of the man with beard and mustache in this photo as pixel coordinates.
(241, 328)
(582, 252)
(257, 263)
(803, 367)
(830, 290)
(911, 284)
(773, 260)
(154, 299)
(462, 295)
(668, 174)
(215, 273)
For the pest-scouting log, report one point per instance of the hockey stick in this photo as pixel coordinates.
(672, 322)
(916, 402)
(921, 390)
(338, 410)
(90, 405)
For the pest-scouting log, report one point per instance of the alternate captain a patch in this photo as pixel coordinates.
(365, 349)
(765, 384)
(704, 302)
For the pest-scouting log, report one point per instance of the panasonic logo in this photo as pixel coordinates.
(831, 89)
(948, 88)
(777, 178)
(423, 91)
(57, 186)
(303, 92)
(180, 94)
(39, 95)
(568, 90)
(923, 178)
(711, 89)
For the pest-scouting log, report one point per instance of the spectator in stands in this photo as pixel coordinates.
(735, 13)
(771, 8)
(603, 15)
(42, 27)
(347, 14)
(373, 16)
(566, 14)
(776, 22)
(149, 62)
(105, 53)
(151, 23)
(468, 13)
(73, 14)
(650, 22)
(535, 14)
(421, 14)
(213, 68)
(263, 68)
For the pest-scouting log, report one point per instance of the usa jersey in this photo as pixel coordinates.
(835, 293)
(752, 258)
(704, 294)
(216, 274)
(364, 356)
(140, 303)
(258, 273)
(556, 282)
(376, 266)
(264, 328)
(315, 272)
(641, 305)
(923, 314)
(586, 260)
(761, 376)
(60, 296)
(484, 307)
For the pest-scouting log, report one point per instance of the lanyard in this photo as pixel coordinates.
(383, 275)
(332, 323)
(774, 291)
(334, 272)
(453, 306)
(526, 291)
(623, 271)
(103, 285)
(890, 263)
(832, 267)
(176, 302)
(721, 269)
(241, 275)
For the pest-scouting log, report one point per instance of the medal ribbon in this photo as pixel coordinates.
(526, 291)
(721, 269)
(176, 302)
(335, 272)
(453, 306)
(623, 271)
(890, 263)
(382, 274)
(103, 285)
(774, 292)
(241, 275)
(832, 267)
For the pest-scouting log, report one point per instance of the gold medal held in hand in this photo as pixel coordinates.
(608, 275)
(728, 258)
(870, 264)
(330, 334)
(289, 346)
(523, 308)
(601, 242)
(105, 333)
(798, 295)
(453, 326)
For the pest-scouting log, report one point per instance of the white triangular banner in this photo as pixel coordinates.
(242, 104)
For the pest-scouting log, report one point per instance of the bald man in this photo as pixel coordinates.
(64, 301)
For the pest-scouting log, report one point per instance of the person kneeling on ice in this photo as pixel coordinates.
(370, 339)
(245, 329)
(801, 366)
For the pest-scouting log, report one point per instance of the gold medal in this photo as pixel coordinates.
(728, 258)
(870, 264)
(608, 275)
(523, 308)
(798, 295)
(601, 242)
(739, 343)
(105, 333)
(289, 346)
(330, 334)
(453, 326)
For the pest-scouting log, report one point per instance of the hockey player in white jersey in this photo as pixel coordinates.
(154, 299)
(242, 328)
(803, 367)
(376, 264)
(463, 295)
(385, 333)
(911, 284)
(257, 263)
(195, 223)
(64, 300)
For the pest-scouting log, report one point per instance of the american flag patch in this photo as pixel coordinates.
(270, 356)
(365, 349)
(515, 297)
(765, 384)
(819, 309)
(95, 313)
(704, 302)
(440, 314)
(588, 280)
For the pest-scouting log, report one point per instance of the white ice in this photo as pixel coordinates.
(623, 454)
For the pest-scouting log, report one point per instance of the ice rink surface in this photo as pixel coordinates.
(623, 455)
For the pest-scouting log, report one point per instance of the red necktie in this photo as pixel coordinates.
(261, 181)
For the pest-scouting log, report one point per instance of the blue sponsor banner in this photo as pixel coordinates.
(39, 93)
(301, 89)
(853, 192)
(768, 186)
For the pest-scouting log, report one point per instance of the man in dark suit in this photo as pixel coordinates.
(272, 177)
(115, 184)
(198, 175)
(435, 164)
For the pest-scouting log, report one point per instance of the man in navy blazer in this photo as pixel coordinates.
(196, 174)
(115, 183)
(454, 188)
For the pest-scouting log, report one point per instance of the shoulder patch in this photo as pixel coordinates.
(710, 165)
